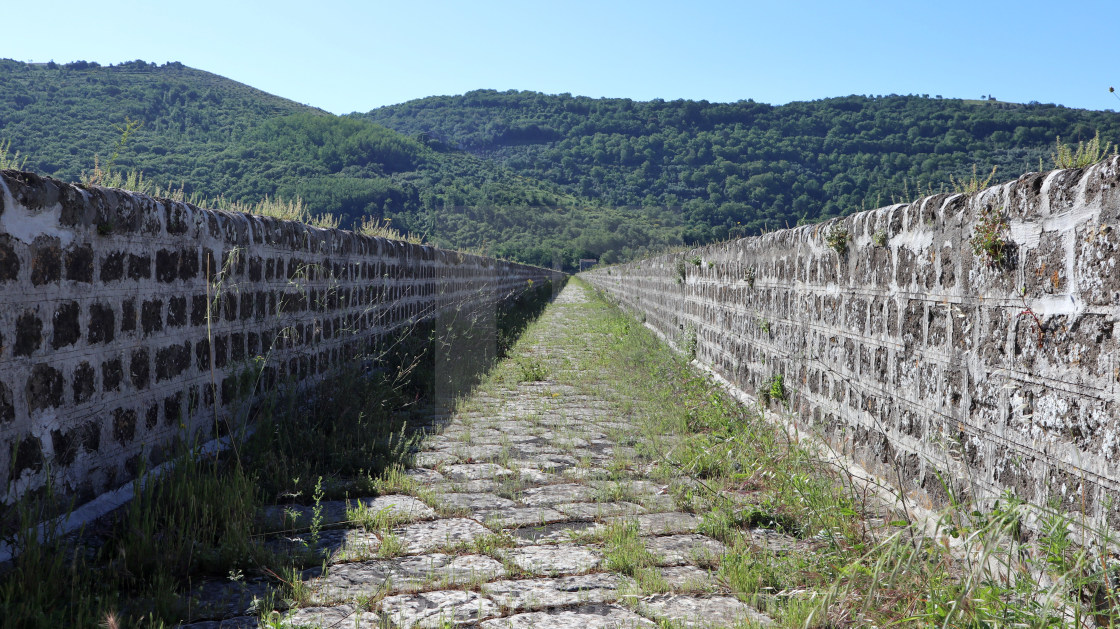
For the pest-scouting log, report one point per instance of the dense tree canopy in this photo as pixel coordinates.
(730, 168)
(546, 179)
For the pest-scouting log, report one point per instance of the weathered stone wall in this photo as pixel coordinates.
(913, 354)
(125, 320)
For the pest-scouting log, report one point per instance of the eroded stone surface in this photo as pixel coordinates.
(526, 594)
(676, 550)
(437, 609)
(348, 616)
(691, 611)
(556, 494)
(428, 536)
(773, 541)
(474, 471)
(597, 510)
(582, 617)
(521, 516)
(475, 501)
(554, 559)
(351, 581)
(552, 533)
(662, 523)
(690, 579)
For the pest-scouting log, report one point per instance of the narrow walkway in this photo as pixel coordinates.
(530, 508)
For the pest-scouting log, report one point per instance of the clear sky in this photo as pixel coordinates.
(347, 56)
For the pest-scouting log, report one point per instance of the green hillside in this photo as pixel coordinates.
(218, 138)
(737, 168)
(545, 179)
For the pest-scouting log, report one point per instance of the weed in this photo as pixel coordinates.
(689, 340)
(391, 546)
(879, 238)
(696, 260)
(748, 276)
(837, 238)
(681, 270)
(9, 160)
(988, 241)
(370, 226)
(973, 184)
(531, 369)
(623, 548)
(317, 513)
(1086, 154)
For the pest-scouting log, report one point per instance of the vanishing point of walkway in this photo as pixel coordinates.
(523, 510)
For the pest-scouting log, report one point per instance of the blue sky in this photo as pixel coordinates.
(354, 56)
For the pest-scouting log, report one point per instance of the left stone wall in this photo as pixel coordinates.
(125, 320)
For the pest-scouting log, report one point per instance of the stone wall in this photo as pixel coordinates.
(125, 320)
(912, 353)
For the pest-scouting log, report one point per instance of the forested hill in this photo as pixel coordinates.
(215, 137)
(536, 178)
(745, 166)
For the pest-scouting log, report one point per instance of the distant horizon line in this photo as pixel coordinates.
(983, 98)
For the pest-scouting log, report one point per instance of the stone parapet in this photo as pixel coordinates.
(916, 354)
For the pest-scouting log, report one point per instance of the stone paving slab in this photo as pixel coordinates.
(424, 537)
(773, 541)
(351, 581)
(598, 510)
(348, 616)
(556, 494)
(582, 617)
(554, 533)
(439, 609)
(528, 594)
(661, 523)
(554, 559)
(521, 516)
(689, 548)
(691, 579)
(474, 501)
(474, 471)
(709, 612)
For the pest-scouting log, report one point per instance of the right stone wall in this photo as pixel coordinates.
(913, 354)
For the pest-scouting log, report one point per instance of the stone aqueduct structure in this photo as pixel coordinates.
(907, 350)
(916, 356)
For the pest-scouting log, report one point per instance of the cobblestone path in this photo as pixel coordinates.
(522, 510)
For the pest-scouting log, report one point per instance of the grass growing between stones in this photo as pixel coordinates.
(203, 520)
(804, 543)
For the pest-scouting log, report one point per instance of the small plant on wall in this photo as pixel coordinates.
(681, 270)
(879, 238)
(748, 277)
(837, 238)
(988, 241)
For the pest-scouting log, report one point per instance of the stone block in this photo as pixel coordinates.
(46, 260)
(29, 334)
(44, 387)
